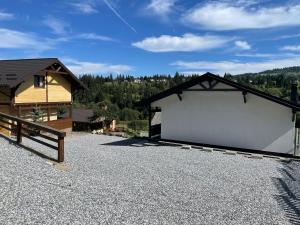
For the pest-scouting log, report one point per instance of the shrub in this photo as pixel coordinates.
(138, 125)
(128, 114)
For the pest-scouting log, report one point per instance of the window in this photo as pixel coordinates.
(39, 81)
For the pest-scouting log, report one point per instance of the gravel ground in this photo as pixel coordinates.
(107, 180)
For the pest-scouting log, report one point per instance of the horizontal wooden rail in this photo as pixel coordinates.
(24, 128)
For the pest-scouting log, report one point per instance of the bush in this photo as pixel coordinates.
(129, 114)
(138, 125)
(61, 111)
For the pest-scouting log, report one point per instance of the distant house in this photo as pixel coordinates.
(46, 84)
(83, 120)
(212, 111)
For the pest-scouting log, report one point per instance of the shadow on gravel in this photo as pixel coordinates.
(135, 142)
(126, 142)
(33, 151)
(288, 186)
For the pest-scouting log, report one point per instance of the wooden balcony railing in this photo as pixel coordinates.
(23, 128)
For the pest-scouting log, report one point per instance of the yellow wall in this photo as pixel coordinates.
(59, 90)
(27, 93)
(4, 98)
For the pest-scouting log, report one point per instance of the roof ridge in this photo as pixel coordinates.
(29, 59)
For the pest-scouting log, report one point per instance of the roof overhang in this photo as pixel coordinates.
(18, 71)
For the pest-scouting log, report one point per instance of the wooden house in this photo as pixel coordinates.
(45, 84)
(83, 120)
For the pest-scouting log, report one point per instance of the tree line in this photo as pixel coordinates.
(120, 94)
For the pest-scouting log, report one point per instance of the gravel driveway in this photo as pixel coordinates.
(106, 180)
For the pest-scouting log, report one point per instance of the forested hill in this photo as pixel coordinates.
(276, 82)
(121, 92)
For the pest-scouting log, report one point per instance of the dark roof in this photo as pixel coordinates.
(13, 72)
(85, 116)
(209, 76)
(82, 115)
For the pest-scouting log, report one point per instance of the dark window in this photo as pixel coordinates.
(39, 81)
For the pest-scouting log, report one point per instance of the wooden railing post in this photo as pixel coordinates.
(60, 156)
(22, 124)
(19, 132)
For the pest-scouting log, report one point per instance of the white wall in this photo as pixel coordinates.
(222, 118)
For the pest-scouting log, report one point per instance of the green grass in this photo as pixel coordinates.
(130, 132)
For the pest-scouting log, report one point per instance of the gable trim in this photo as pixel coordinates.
(210, 77)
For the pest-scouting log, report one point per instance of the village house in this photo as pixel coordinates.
(212, 111)
(45, 85)
(84, 120)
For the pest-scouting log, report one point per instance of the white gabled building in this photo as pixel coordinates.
(213, 111)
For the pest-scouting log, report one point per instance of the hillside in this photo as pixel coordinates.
(122, 92)
(276, 82)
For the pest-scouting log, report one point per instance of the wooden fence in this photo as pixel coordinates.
(23, 128)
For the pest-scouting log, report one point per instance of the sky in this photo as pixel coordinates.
(146, 37)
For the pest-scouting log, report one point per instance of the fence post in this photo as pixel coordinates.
(19, 132)
(60, 156)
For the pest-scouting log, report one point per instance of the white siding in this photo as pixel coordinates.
(222, 118)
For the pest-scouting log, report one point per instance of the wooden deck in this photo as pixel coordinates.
(60, 124)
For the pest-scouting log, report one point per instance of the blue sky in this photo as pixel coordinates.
(145, 37)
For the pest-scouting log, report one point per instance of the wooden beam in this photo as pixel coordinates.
(4, 103)
(209, 84)
(19, 111)
(43, 103)
(42, 107)
(47, 96)
(58, 69)
(2, 92)
(19, 132)
(54, 71)
(61, 149)
(202, 85)
(214, 84)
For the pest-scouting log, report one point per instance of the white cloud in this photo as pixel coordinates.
(236, 67)
(6, 16)
(244, 45)
(295, 48)
(226, 16)
(258, 55)
(82, 67)
(185, 43)
(11, 39)
(85, 7)
(286, 36)
(56, 25)
(161, 7)
(268, 55)
(93, 36)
